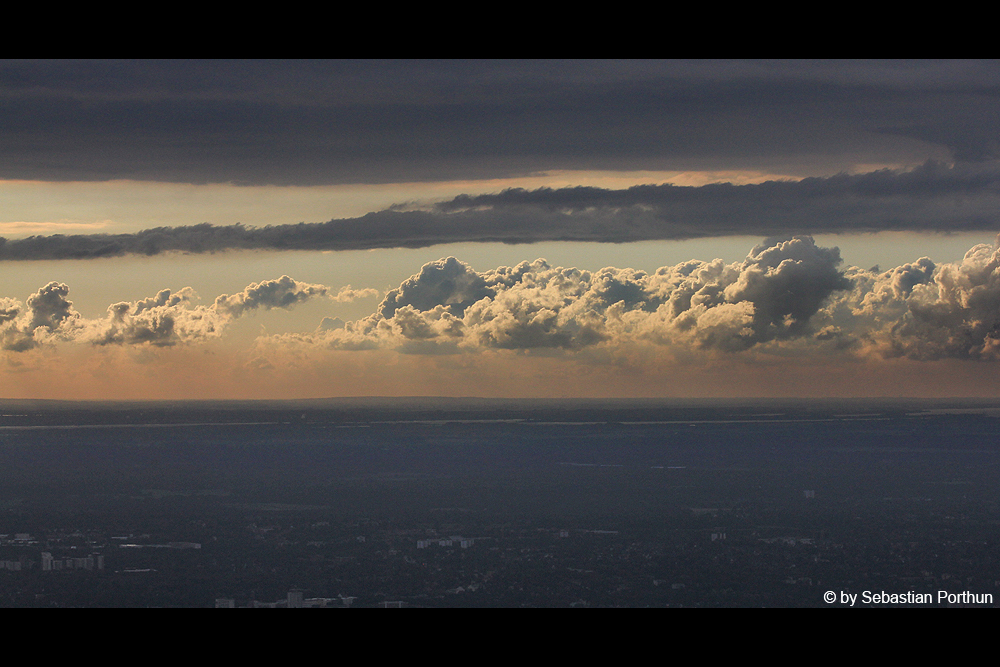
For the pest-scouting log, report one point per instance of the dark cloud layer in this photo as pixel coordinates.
(933, 197)
(308, 122)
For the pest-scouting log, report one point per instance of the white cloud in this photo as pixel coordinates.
(786, 297)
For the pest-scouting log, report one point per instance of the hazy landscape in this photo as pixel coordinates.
(452, 502)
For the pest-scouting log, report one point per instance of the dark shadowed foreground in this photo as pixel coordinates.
(443, 503)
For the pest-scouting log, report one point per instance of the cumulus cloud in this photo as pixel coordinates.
(347, 294)
(9, 309)
(49, 307)
(47, 315)
(788, 296)
(927, 312)
(168, 318)
(448, 306)
(281, 293)
(446, 282)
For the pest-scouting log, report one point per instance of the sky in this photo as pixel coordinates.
(607, 229)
